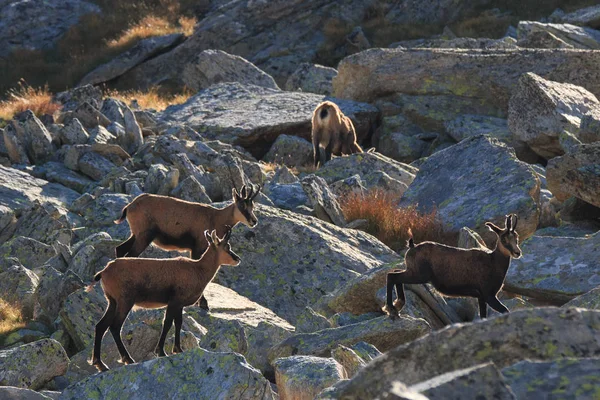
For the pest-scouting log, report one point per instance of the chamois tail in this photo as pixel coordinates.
(410, 242)
(97, 278)
(123, 215)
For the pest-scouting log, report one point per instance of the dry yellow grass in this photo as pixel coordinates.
(38, 100)
(151, 26)
(389, 223)
(152, 98)
(10, 318)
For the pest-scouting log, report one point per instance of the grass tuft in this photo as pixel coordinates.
(10, 318)
(151, 98)
(25, 97)
(389, 223)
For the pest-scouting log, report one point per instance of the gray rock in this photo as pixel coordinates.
(353, 185)
(401, 147)
(503, 340)
(94, 165)
(480, 382)
(15, 148)
(590, 300)
(488, 77)
(555, 268)
(88, 114)
(575, 36)
(589, 16)
(288, 196)
(17, 286)
(72, 98)
(74, 133)
(255, 116)
(311, 321)
(22, 336)
(229, 171)
(382, 181)
(323, 201)
(542, 113)
(46, 223)
(311, 78)
(238, 324)
(216, 375)
(191, 190)
(142, 51)
(53, 289)
(382, 332)
(363, 164)
(348, 358)
(113, 110)
(498, 184)
(323, 259)
(469, 239)
(33, 136)
(347, 318)
(161, 180)
(57, 172)
(101, 135)
(14, 393)
(457, 43)
(574, 378)
(133, 139)
(216, 66)
(7, 218)
(32, 365)
(576, 174)
(304, 377)
(106, 209)
(32, 253)
(38, 26)
(291, 151)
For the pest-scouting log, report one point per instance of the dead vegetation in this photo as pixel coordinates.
(10, 318)
(25, 97)
(389, 223)
(151, 98)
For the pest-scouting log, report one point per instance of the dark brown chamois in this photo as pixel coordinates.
(156, 283)
(174, 224)
(458, 272)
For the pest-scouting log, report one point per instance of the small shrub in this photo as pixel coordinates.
(10, 318)
(38, 100)
(151, 98)
(389, 223)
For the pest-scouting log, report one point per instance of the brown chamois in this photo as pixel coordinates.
(458, 272)
(156, 283)
(174, 224)
(332, 130)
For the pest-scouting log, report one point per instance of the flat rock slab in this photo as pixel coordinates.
(567, 378)
(589, 300)
(254, 116)
(122, 63)
(197, 374)
(555, 268)
(489, 76)
(477, 180)
(18, 190)
(536, 334)
(286, 278)
(304, 377)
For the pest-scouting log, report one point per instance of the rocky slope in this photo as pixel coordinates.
(471, 128)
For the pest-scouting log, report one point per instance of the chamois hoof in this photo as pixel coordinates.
(160, 353)
(177, 350)
(127, 361)
(391, 311)
(100, 366)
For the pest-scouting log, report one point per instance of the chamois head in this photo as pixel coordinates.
(508, 237)
(244, 201)
(224, 253)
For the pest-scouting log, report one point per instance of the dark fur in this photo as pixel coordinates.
(454, 271)
(155, 283)
(336, 134)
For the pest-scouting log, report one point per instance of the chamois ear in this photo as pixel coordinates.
(508, 222)
(249, 192)
(207, 236)
(244, 192)
(514, 222)
(235, 194)
(214, 237)
(256, 193)
(493, 228)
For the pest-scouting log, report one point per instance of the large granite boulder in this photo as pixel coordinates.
(486, 77)
(575, 36)
(477, 180)
(304, 377)
(287, 278)
(590, 300)
(216, 66)
(254, 116)
(142, 51)
(197, 373)
(548, 115)
(17, 286)
(556, 268)
(292, 151)
(32, 25)
(32, 365)
(576, 174)
(503, 340)
(29, 135)
(311, 78)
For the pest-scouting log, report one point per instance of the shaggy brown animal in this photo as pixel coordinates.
(334, 131)
(454, 271)
(174, 224)
(156, 283)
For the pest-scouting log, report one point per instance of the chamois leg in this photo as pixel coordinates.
(496, 304)
(202, 303)
(115, 330)
(397, 279)
(101, 328)
(123, 248)
(329, 150)
(178, 322)
(482, 307)
(142, 241)
(167, 322)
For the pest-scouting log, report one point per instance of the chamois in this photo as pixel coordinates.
(174, 224)
(454, 271)
(156, 283)
(332, 130)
